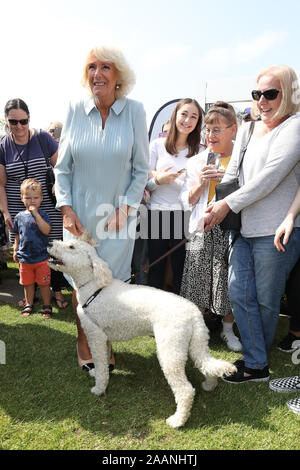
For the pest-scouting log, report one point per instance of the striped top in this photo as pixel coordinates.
(15, 158)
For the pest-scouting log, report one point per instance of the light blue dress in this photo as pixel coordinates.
(99, 169)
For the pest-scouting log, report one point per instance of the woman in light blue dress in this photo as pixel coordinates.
(102, 166)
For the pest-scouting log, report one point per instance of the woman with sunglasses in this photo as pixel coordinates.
(21, 157)
(269, 178)
(205, 275)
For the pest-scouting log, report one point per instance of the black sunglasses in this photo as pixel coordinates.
(270, 94)
(14, 122)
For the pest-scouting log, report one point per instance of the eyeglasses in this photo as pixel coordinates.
(270, 94)
(217, 130)
(14, 122)
(52, 131)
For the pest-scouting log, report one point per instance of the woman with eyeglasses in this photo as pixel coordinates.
(21, 157)
(269, 179)
(205, 275)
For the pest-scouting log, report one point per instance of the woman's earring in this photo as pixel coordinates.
(118, 86)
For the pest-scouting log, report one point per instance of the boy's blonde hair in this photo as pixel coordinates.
(31, 183)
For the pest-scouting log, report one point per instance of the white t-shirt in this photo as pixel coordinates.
(166, 196)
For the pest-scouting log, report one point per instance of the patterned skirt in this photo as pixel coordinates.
(205, 275)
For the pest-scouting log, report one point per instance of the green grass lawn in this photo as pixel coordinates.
(46, 403)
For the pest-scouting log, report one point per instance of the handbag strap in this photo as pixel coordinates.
(42, 145)
(244, 149)
(20, 156)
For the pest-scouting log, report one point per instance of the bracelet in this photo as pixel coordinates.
(124, 212)
(155, 181)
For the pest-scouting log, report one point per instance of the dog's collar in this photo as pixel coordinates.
(90, 299)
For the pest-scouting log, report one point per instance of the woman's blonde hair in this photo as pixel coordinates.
(290, 102)
(126, 76)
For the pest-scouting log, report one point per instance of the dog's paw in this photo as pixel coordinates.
(92, 372)
(230, 369)
(175, 421)
(97, 391)
(209, 384)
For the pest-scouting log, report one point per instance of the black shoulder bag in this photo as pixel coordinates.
(233, 221)
(50, 178)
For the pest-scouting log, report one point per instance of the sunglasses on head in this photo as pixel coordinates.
(14, 122)
(270, 94)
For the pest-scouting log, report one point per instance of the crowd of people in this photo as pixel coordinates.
(104, 167)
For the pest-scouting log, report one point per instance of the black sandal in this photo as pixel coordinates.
(47, 311)
(61, 303)
(27, 310)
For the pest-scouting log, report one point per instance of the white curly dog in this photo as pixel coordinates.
(123, 311)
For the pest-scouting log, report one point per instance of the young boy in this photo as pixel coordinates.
(32, 227)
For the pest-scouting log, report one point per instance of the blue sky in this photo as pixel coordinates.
(172, 45)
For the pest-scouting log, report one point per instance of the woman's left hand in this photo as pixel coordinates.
(215, 213)
(285, 230)
(117, 220)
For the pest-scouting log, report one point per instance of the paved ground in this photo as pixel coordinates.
(10, 290)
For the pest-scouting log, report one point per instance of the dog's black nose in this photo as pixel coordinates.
(50, 244)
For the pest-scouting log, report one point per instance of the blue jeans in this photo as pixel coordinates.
(256, 282)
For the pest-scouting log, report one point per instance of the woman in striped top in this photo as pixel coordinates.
(21, 157)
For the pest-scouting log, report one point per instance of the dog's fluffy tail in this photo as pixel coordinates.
(208, 365)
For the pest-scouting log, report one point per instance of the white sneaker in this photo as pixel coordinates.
(233, 343)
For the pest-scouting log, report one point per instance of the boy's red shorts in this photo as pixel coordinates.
(35, 272)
